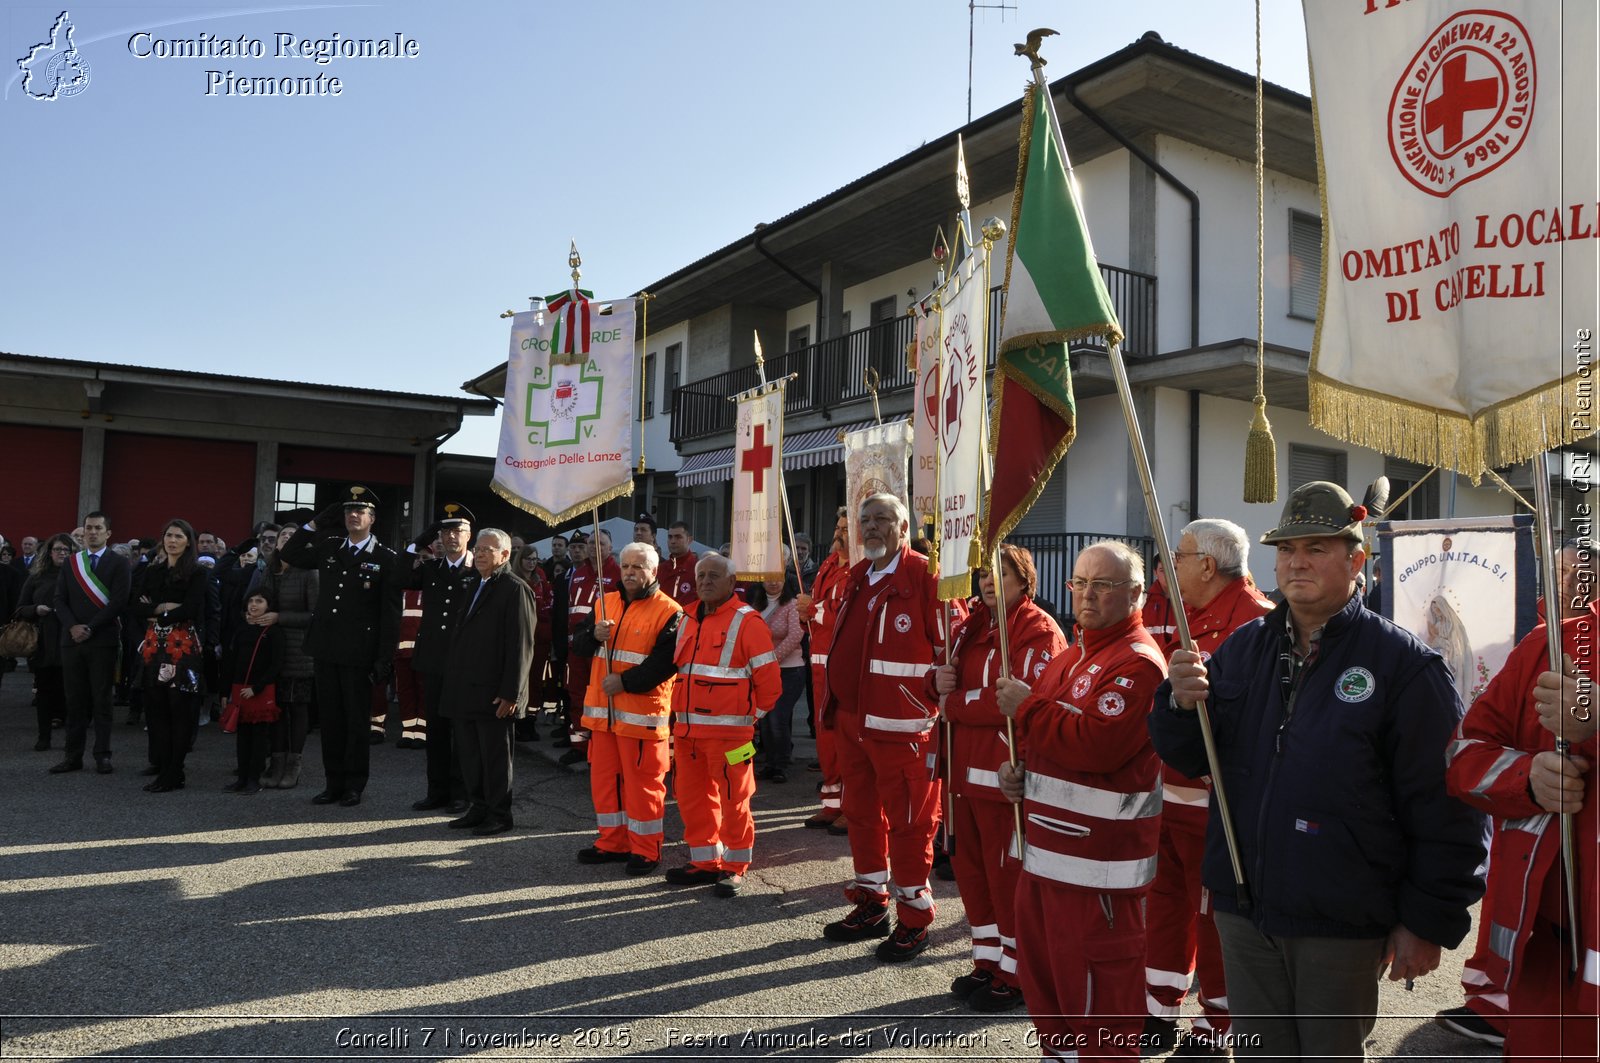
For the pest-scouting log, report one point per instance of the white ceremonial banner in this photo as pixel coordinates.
(1464, 587)
(1460, 219)
(925, 409)
(566, 432)
(758, 484)
(874, 463)
(961, 425)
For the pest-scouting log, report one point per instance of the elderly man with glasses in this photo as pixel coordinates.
(1091, 797)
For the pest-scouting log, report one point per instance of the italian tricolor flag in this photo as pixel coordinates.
(1054, 295)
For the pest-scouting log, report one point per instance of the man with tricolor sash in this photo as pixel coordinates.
(90, 596)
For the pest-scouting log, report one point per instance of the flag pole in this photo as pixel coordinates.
(1552, 634)
(783, 492)
(994, 230)
(936, 547)
(1152, 509)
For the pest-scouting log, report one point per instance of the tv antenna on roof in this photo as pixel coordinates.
(972, 18)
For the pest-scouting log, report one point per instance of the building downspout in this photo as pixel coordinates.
(1178, 186)
(1194, 454)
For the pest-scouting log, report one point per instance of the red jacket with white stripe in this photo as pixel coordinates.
(1092, 800)
(905, 631)
(1487, 767)
(676, 576)
(581, 588)
(827, 592)
(978, 729)
(410, 623)
(1185, 801)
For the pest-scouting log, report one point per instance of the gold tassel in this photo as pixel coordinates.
(1260, 458)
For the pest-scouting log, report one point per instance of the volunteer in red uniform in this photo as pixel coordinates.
(888, 633)
(983, 819)
(599, 574)
(728, 678)
(626, 709)
(821, 609)
(1503, 761)
(407, 690)
(677, 575)
(1091, 795)
(1180, 937)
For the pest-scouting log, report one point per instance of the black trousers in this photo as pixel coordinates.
(254, 742)
(52, 701)
(170, 716)
(87, 672)
(485, 745)
(344, 700)
(444, 770)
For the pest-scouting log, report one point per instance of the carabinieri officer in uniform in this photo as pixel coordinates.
(353, 634)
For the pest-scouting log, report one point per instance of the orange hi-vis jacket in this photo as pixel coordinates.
(728, 675)
(639, 624)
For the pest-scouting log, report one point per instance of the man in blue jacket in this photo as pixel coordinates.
(1330, 726)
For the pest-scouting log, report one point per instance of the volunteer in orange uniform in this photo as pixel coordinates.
(1503, 761)
(984, 823)
(593, 577)
(1091, 795)
(728, 678)
(821, 608)
(677, 575)
(626, 711)
(1218, 596)
(889, 630)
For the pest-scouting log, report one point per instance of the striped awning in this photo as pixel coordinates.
(806, 450)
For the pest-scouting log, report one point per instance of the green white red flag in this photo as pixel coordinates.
(1054, 295)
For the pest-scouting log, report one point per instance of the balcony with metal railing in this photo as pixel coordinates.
(833, 372)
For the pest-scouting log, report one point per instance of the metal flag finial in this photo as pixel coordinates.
(1031, 47)
(575, 260)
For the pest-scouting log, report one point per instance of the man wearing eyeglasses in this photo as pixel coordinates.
(889, 631)
(1329, 726)
(1091, 798)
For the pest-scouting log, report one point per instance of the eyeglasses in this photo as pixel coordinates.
(1080, 585)
(1188, 553)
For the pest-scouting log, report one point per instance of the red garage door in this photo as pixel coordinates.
(151, 479)
(40, 496)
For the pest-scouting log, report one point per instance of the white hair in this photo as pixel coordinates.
(502, 540)
(652, 559)
(892, 501)
(716, 559)
(1223, 541)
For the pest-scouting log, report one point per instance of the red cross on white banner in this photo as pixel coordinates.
(756, 459)
(758, 486)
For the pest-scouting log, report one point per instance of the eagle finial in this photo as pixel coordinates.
(1031, 48)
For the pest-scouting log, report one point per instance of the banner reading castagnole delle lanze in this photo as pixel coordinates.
(1457, 145)
(566, 438)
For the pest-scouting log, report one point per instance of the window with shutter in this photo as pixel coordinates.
(1305, 264)
(1317, 463)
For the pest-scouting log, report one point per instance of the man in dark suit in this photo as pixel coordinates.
(90, 595)
(27, 554)
(486, 678)
(353, 634)
(447, 580)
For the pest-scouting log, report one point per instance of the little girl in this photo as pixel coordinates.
(249, 667)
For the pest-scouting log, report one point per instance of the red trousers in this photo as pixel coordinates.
(408, 692)
(628, 782)
(714, 800)
(987, 882)
(1550, 1018)
(577, 685)
(892, 806)
(1086, 999)
(827, 750)
(1180, 934)
(1485, 998)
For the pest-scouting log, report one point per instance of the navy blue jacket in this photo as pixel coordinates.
(1340, 809)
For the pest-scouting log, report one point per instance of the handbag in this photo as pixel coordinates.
(20, 638)
(260, 707)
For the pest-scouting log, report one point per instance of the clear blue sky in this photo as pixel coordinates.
(373, 238)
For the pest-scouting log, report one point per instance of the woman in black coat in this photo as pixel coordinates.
(171, 602)
(37, 603)
(252, 666)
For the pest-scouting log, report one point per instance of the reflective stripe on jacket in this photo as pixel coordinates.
(638, 624)
(728, 674)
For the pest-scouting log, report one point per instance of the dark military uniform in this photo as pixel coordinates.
(352, 641)
(446, 592)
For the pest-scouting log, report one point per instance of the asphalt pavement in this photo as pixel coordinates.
(203, 925)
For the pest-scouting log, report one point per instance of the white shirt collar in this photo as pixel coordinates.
(874, 575)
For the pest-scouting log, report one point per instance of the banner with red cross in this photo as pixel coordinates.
(1456, 141)
(758, 484)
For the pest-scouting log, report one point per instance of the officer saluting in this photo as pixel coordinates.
(352, 636)
(447, 580)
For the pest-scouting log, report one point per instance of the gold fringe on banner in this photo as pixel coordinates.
(1504, 434)
(554, 519)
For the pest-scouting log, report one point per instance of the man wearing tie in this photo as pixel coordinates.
(90, 596)
(486, 679)
(353, 634)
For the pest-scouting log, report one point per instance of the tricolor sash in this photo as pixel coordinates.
(88, 580)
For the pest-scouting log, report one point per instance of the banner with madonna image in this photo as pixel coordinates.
(874, 463)
(1465, 587)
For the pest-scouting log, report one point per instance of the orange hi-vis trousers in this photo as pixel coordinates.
(714, 799)
(628, 782)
